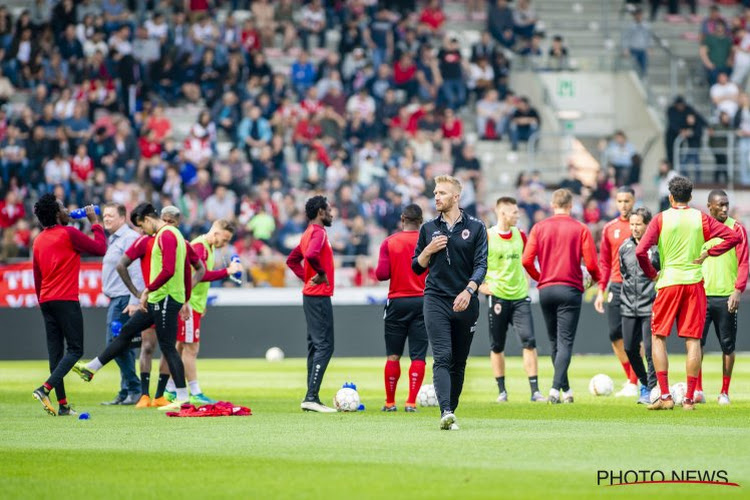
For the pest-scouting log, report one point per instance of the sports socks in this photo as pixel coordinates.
(416, 375)
(195, 388)
(691, 382)
(171, 387)
(161, 384)
(392, 374)
(63, 401)
(145, 382)
(94, 365)
(182, 394)
(725, 384)
(500, 383)
(629, 372)
(663, 380)
(534, 384)
(699, 383)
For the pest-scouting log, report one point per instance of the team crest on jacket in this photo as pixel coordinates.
(498, 309)
(465, 233)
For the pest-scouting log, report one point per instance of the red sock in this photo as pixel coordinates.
(691, 383)
(725, 384)
(699, 383)
(47, 386)
(63, 401)
(392, 374)
(629, 372)
(416, 375)
(663, 382)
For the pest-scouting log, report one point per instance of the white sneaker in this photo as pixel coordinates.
(628, 391)
(699, 397)
(316, 407)
(447, 421)
(175, 405)
(503, 397)
(724, 399)
(453, 427)
(567, 396)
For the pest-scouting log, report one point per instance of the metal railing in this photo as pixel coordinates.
(695, 162)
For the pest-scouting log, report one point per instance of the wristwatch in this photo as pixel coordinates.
(470, 290)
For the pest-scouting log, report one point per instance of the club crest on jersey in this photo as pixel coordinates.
(465, 233)
(498, 309)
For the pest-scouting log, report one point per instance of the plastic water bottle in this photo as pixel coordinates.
(236, 277)
(80, 213)
(115, 328)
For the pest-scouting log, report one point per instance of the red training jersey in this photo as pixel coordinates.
(560, 243)
(614, 234)
(394, 263)
(57, 260)
(141, 249)
(317, 254)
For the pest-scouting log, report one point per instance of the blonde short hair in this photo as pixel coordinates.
(449, 179)
(562, 198)
(224, 225)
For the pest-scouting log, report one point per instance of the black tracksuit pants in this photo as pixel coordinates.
(561, 307)
(164, 315)
(634, 331)
(63, 323)
(450, 335)
(319, 317)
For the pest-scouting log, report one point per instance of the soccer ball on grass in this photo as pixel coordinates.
(601, 385)
(346, 399)
(426, 396)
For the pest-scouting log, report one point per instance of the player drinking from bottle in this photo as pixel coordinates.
(680, 233)
(724, 279)
(403, 315)
(614, 234)
(57, 264)
(507, 290)
(637, 296)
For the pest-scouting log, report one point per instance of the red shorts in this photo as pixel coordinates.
(684, 303)
(189, 331)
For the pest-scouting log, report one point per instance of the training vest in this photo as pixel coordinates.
(720, 273)
(199, 295)
(680, 243)
(175, 286)
(505, 274)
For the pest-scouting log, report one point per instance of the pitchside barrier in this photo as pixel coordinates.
(244, 323)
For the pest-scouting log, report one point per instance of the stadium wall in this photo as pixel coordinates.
(247, 331)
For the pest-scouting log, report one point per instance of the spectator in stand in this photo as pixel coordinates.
(500, 23)
(405, 75)
(572, 183)
(379, 37)
(711, 24)
(741, 67)
(453, 89)
(11, 210)
(742, 124)
(725, 95)
(254, 132)
(428, 74)
(677, 115)
(313, 23)
(716, 52)
(690, 148)
(673, 9)
(665, 175)
(636, 41)
(524, 19)
(220, 205)
(82, 173)
(57, 173)
(13, 159)
(485, 47)
(524, 122)
(481, 76)
(302, 74)
(452, 134)
(313, 171)
(619, 154)
(557, 56)
(431, 19)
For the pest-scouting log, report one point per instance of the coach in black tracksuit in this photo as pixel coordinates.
(453, 246)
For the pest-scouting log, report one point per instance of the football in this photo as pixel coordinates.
(346, 399)
(426, 396)
(601, 385)
(655, 394)
(678, 391)
(274, 355)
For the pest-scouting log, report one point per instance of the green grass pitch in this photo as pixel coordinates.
(518, 450)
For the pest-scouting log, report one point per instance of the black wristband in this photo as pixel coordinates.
(470, 290)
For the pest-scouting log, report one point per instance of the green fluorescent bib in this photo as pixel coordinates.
(680, 243)
(199, 295)
(505, 275)
(720, 273)
(175, 287)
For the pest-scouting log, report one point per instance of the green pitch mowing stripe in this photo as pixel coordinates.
(519, 449)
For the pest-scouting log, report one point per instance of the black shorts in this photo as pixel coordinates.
(613, 312)
(725, 324)
(404, 317)
(503, 313)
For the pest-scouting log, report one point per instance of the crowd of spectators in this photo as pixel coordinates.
(356, 99)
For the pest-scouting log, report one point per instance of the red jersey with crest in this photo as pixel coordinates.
(614, 234)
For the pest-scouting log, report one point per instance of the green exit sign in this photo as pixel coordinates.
(565, 88)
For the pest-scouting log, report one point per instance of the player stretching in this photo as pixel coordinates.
(507, 290)
(724, 279)
(403, 311)
(188, 333)
(57, 264)
(453, 246)
(560, 243)
(160, 303)
(317, 275)
(680, 232)
(637, 296)
(614, 234)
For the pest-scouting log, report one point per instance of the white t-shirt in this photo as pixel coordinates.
(476, 73)
(728, 93)
(156, 30)
(742, 54)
